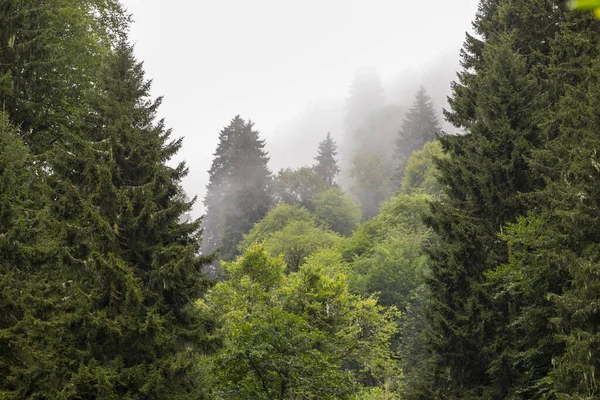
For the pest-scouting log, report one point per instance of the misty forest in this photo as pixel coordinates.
(429, 251)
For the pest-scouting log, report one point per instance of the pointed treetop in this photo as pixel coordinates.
(327, 167)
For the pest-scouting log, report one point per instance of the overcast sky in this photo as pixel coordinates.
(267, 60)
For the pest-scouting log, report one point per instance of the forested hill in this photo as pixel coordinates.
(405, 263)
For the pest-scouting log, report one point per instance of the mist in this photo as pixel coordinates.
(289, 68)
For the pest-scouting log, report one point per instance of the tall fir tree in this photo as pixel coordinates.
(110, 312)
(238, 192)
(555, 249)
(326, 166)
(49, 57)
(21, 242)
(420, 126)
(487, 178)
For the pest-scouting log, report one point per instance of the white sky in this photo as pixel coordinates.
(268, 59)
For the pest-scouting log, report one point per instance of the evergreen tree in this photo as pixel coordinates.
(21, 196)
(552, 273)
(327, 167)
(50, 55)
(420, 126)
(110, 312)
(238, 193)
(486, 176)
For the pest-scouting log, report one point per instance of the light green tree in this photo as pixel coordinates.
(297, 336)
(337, 211)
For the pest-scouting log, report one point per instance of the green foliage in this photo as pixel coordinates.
(297, 240)
(238, 194)
(108, 312)
(50, 53)
(387, 252)
(20, 200)
(337, 211)
(299, 186)
(327, 167)
(420, 173)
(420, 126)
(278, 218)
(371, 181)
(296, 336)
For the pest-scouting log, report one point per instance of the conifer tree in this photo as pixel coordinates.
(327, 167)
(420, 126)
(50, 55)
(238, 192)
(21, 196)
(110, 312)
(554, 250)
(486, 177)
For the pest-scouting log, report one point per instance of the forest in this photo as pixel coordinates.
(404, 263)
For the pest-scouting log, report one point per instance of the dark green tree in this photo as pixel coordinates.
(110, 312)
(420, 126)
(50, 53)
(486, 177)
(552, 271)
(238, 194)
(21, 197)
(326, 166)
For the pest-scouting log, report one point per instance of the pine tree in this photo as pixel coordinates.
(49, 56)
(487, 176)
(555, 249)
(420, 126)
(21, 197)
(238, 193)
(110, 312)
(327, 167)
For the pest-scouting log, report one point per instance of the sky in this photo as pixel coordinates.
(272, 60)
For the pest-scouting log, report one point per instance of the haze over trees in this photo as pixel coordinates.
(238, 194)
(469, 272)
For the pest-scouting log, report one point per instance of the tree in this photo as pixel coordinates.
(21, 199)
(238, 193)
(420, 126)
(392, 262)
(110, 311)
(327, 167)
(371, 181)
(337, 211)
(278, 218)
(551, 274)
(50, 56)
(298, 240)
(296, 336)
(298, 186)
(420, 173)
(487, 178)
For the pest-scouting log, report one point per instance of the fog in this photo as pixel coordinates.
(288, 66)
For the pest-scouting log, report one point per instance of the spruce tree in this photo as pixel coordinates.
(238, 192)
(554, 250)
(21, 197)
(420, 126)
(50, 55)
(110, 312)
(487, 176)
(327, 167)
